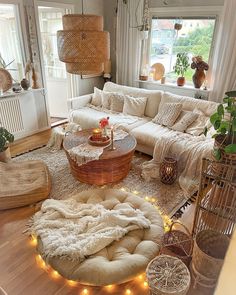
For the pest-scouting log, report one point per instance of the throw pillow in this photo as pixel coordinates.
(97, 97)
(168, 114)
(185, 119)
(117, 102)
(134, 106)
(198, 126)
(106, 99)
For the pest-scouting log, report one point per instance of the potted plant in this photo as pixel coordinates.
(5, 138)
(181, 66)
(224, 122)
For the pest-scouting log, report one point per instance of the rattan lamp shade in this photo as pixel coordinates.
(82, 44)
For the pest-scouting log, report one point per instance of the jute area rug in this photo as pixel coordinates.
(168, 198)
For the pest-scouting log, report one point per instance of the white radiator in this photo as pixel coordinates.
(11, 115)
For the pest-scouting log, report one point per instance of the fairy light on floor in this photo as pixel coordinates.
(128, 292)
(33, 241)
(72, 283)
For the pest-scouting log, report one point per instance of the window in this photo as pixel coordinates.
(10, 41)
(195, 37)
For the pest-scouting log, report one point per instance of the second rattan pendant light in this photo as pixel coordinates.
(82, 44)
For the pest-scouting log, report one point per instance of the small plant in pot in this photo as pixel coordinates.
(224, 122)
(181, 66)
(5, 138)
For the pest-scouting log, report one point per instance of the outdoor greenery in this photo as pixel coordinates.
(198, 42)
(224, 122)
(5, 138)
(182, 64)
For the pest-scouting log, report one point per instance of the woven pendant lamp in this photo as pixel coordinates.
(82, 44)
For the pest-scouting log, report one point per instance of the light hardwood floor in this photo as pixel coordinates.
(20, 271)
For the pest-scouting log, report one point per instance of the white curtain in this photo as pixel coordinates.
(128, 48)
(224, 64)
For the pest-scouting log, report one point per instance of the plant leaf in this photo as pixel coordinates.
(217, 124)
(217, 154)
(220, 110)
(230, 149)
(214, 118)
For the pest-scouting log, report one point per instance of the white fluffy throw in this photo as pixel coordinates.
(75, 230)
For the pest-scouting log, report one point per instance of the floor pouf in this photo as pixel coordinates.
(122, 260)
(168, 275)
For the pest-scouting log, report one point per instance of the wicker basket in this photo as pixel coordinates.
(168, 275)
(208, 254)
(178, 244)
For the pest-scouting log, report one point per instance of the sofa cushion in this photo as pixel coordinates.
(153, 96)
(88, 117)
(117, 102)
(185, 119)
(189, 103)
(168, 114)
(134, 106)
(106, 100)
(97, 97)
(199, 125)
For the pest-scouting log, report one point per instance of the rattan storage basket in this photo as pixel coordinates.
(168, 275)
(178, 243)
(208, 254)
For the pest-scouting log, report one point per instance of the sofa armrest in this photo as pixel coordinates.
(79, 102)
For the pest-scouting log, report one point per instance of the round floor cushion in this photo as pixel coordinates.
(122, 260)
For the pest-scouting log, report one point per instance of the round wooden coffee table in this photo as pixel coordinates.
(112, 166)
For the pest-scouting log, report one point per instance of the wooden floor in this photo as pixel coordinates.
(21, 272)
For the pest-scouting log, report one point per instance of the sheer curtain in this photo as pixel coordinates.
(224, 65)
(128, 49)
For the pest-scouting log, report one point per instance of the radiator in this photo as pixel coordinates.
(10, 115)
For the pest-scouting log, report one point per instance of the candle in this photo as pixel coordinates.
(97, 134)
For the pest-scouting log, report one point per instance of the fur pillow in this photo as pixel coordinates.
(97, 97)
(134, 106)
(185, 119)
(168, 114)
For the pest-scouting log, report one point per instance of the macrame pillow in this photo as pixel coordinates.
(117, 102)
(168, 114)
(134, 106)
(97, 97)
(185, 119)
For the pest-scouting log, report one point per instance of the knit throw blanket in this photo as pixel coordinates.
(74, 230)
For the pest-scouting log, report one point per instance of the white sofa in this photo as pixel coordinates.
(144, 129)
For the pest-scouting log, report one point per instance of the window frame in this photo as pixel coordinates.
(21, 27)
(192, 12)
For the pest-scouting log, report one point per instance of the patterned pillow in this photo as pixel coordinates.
(185, 119)
(117, 102)
(134, 106)
(168, 114)
(97, 97)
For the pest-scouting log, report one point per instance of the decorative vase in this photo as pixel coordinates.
(198, 78)
(25, 84)
(5, 156)
(181, 81)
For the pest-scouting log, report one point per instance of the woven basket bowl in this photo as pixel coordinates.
(178, 244)
(208, 253)
(168, 275)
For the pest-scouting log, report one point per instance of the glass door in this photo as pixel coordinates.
(57, 81)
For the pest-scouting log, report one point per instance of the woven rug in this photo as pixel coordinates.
(169, 198)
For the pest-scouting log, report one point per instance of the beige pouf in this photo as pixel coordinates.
(122, 260)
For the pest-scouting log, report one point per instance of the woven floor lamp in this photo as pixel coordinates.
(82, 44)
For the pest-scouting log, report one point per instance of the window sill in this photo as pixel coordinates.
(186, 90)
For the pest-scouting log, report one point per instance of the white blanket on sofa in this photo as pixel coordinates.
(69, 228)
(188, 150)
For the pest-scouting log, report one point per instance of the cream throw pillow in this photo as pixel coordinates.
(106, 100)
(117, 102)
(97, 97)
(134, 106)
(168, 114)
(185, 119)
(198, 126)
